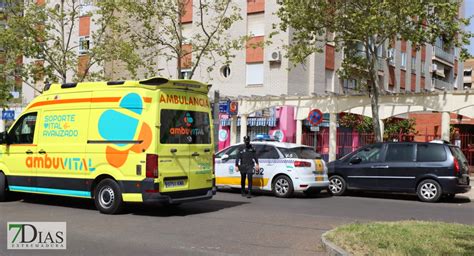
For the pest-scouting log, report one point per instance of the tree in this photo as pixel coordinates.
(156, 30)
(364, 28)
(45, 37)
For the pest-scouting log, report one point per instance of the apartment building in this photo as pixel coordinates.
(262, 71)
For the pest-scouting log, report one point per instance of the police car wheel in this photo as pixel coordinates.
(3, 187)
(282, 186)
(108, 197)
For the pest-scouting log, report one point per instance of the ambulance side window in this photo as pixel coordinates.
(24, 130)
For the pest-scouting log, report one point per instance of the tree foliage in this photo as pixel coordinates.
(156, 31)
(46, 38)
(392, 126)
(364, 29)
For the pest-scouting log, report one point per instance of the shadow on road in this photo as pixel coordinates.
(135, 209)
(406, 197)
(259, 193)
(182, 210)
(70, 202)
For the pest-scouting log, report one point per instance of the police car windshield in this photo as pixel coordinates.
(300, 152)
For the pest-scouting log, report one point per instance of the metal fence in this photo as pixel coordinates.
(347, 142)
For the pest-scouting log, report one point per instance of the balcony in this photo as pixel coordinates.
(441, 85)
(442, 54)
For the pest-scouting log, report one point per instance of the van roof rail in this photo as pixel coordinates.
(68, 85)
(115, 82)
(154, 81)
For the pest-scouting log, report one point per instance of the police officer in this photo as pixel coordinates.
(246, 160)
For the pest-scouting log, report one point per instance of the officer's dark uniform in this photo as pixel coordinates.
(246, 160)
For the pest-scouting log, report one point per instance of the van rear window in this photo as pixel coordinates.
(458, 154)
(184, 127)
(430, 153)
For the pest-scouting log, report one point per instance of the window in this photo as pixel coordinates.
(400, 153)
(225, 71)
(231, 152)
(391, 55)
(413, 64)
(300, 152)
(403, 63)
(423, 64)
(457, 153)
(184, 127)
(85, 7)
(430, 153)
(185, 73)
(266, 152)
(24, 130)
(84, 44)
(369, 154)
(256, 25)
(349, 84)
(255, 74)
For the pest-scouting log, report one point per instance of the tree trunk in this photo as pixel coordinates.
(373, 87)
(178, 68)
(374, 104)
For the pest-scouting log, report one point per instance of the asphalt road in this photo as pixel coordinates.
(226, 225)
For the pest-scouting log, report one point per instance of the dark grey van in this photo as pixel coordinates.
(431, 170)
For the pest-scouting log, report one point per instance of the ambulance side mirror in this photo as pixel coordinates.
(225, 157)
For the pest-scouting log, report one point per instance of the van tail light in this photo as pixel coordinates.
(151, 166)
(213, 164)
(302, 164)
(456, 167)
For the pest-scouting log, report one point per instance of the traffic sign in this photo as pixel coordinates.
(315, 117)
(224, 107)
(233, 108)
(8, 115)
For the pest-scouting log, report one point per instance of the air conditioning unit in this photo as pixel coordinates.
(274, 56)
(434, 67)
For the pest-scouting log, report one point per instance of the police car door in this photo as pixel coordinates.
(268, 158)
(225, 168)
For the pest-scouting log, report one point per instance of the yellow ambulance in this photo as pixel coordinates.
(147, 141)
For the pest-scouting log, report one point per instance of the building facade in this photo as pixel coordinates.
(263, 71)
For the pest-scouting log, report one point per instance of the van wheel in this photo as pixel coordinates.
(429, 191)
(3, 187)
(108, 197)
(337, 185)
(282, 186)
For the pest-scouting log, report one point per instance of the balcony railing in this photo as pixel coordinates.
(442, 85)
(444, 55)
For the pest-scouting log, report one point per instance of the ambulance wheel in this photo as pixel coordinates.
(3, 187)
(282, 186)
(108, 197)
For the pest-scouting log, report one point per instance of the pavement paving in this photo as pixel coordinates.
(226, 225)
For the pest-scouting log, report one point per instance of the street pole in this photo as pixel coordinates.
(216, 120)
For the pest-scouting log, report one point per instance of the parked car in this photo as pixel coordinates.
(284, 168)
(431, 170)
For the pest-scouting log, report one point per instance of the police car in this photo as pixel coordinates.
(284, 168)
